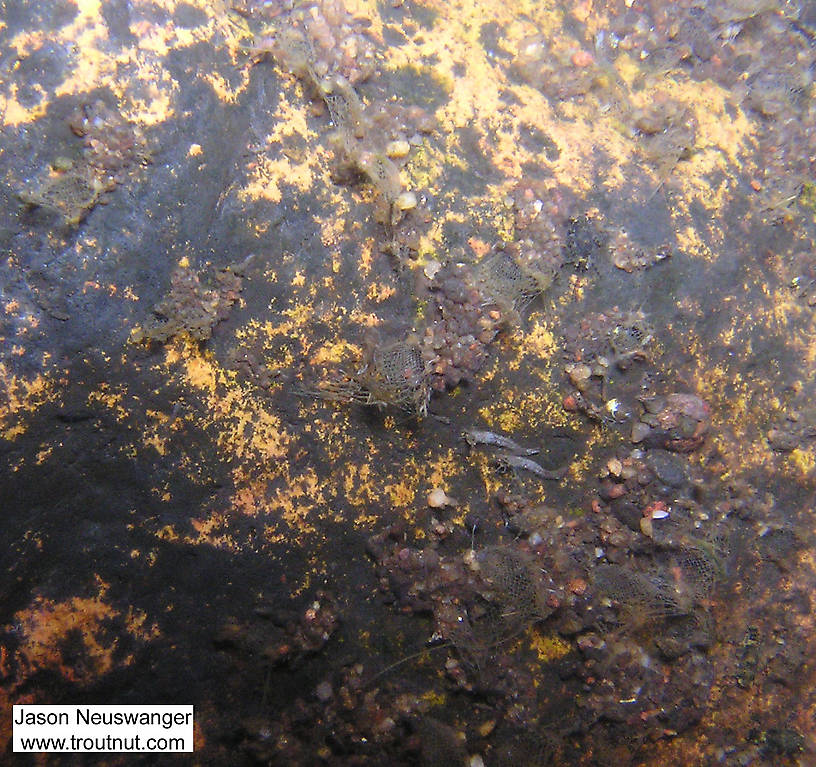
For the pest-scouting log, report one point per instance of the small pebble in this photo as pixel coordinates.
(431, 268)
(324, 691)
(577, 586)
(640, 431)
(579, 374)
(570, 403)
(438, 499)
(487, 727)
(476, 761)
(397, 149)
(62, 163)
(582, 59)
(406, 201)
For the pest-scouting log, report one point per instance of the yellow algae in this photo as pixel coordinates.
(403, 493)
(434, 697)
(98, 63)
(45, 627)
(157, 443)
(331, 229)
(426, 165)
(538, 341)
(167, 533)
(296, 500)
(13, 113)
(136, 624)
(299, 315)
(222, 87)
(211, 531)
(378, 292)
(363, 521)
(363, 318)
(200, 372)
(442, 469)
(360, 488)
(248, 431)
(803, 460)
(549, 647)
(335, 353)
(690, 241)
(265, 184)
(22, 397)
(90, 9)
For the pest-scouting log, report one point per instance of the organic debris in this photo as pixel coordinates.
(111, 148)
(191, 308)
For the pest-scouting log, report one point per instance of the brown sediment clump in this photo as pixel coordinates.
(479, 600)
(630, 257)
(191, 308)
(111, 147)
(327, 49)
(71, 193)
(677, 422)
(471, 304)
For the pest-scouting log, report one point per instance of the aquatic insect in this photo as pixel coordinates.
(477, 437)
(507, 462)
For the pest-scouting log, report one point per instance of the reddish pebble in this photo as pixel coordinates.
(582, 59)
(596, 506)
(653, 507)
(578, 586)
(616, 491)
(570, 403)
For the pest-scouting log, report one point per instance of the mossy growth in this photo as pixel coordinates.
(807, 198)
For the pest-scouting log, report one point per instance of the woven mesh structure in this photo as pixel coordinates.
(701, 568)
(396, 375)
(344, 105)
(511, 598)
(503, 281)
(630, 337)
(515, 584)
(780, 546)
(645, 599)
(678, 633)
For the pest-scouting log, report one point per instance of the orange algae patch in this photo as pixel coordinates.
(45, 626)
(21, 397)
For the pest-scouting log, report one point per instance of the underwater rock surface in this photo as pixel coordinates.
(276, 276)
